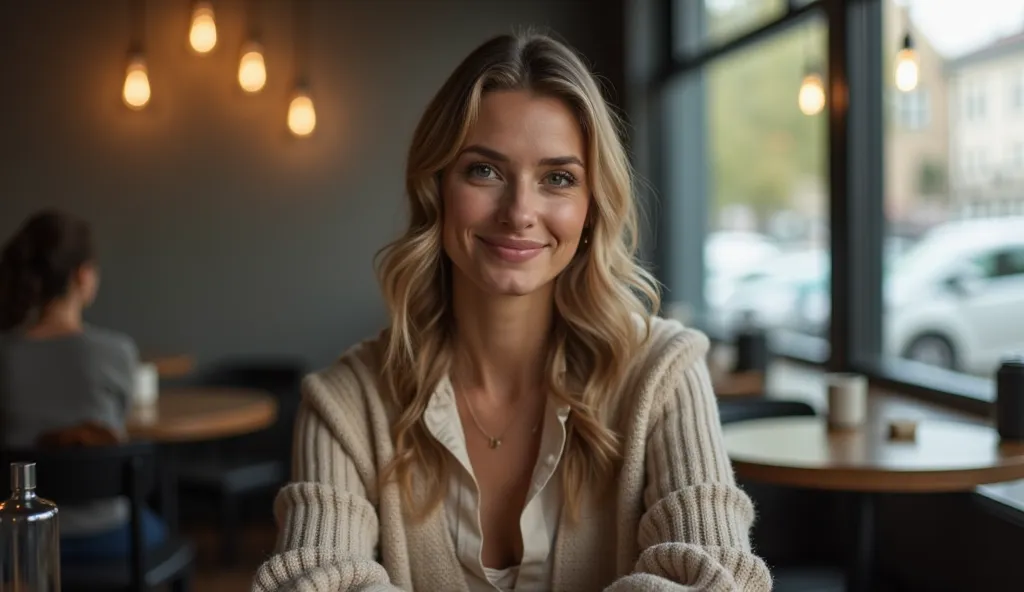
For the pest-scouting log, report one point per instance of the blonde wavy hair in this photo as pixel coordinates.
(598, 297)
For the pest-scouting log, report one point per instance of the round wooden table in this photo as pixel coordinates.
(803, 452)
(196, 414)
(203, 413)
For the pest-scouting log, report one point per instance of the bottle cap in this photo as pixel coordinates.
(1016, 360)
(23, 475)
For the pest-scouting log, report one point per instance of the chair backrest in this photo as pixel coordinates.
(77, 475)
(740, 409)
(88, 433)
(282, 377)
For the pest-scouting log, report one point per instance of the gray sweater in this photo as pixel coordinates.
(47, 384)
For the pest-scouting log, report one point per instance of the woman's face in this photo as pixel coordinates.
(516, 197)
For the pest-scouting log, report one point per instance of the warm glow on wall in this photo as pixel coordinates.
(136, 90)
(811, 98)
(252, 70)
(301, 114)
(202, 35)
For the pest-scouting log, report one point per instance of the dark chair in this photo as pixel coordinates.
(778, 505)
(809, 579)
(74, 476)
(251, 464)
(742, 408)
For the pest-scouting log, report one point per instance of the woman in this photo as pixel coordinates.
(56, 372)
(525, 422)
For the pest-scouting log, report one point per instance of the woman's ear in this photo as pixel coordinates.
(87, 280)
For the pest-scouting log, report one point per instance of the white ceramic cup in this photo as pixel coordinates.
(147, 385)
(847, 399)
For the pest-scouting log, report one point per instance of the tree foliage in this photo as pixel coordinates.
(761, 144)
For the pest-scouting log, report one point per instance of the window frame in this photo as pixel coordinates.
(856, 176)
(1015, 100)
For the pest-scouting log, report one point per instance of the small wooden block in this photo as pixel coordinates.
(904, 430)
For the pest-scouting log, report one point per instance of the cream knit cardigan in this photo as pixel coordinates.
(677, 523)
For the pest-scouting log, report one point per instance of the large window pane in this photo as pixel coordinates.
(724, 20)
(766, 255)
(954, 188)
(727, 19)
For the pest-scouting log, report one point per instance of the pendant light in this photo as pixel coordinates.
(136, 91)
(301, 112)
(252, 68)
(811, 96)
(202, 33)
(906, 72)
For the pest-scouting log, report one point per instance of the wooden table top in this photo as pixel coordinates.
(176, 366)
(193, 414)
(803, 452)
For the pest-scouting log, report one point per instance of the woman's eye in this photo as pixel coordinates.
(482, 171)
(561, 179)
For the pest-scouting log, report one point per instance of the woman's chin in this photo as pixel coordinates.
(511, 284)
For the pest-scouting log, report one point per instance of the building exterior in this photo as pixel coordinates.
(986, 118)
(917, 134)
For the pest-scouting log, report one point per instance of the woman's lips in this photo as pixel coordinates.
(513, 250)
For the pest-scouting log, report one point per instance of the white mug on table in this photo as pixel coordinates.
(847, 399)
(147, 385)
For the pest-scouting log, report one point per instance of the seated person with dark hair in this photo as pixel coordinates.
(58, 374)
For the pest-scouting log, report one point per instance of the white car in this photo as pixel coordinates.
(767, 296)
(729, 256)
(956, 300)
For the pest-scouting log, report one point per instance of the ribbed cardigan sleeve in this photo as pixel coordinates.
(695, 532)
(328, 529)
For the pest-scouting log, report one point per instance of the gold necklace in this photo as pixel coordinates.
(492, 441)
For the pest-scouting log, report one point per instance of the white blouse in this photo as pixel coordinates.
(539, 521)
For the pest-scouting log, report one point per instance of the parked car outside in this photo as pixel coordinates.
(730, 255)
(954, 300)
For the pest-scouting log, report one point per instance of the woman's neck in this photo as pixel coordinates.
(58, 318)
(500, 342)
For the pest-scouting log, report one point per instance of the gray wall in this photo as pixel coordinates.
(220, 234)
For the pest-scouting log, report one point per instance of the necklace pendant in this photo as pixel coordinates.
(494, 443)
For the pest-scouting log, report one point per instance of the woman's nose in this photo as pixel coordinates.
(519, 209)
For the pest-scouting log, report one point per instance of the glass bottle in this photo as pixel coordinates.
(29, 537)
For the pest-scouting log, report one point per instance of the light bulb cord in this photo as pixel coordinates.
(300, 41)
(138, 27)
(252, 21)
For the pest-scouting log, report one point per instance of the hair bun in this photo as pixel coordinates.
(37, 263)
(20, 250)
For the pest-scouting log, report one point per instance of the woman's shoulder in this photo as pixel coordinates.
(345, 394)
(668, 349)
(111, 342)
(667, 343)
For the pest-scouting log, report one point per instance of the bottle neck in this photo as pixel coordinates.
(24, 493)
